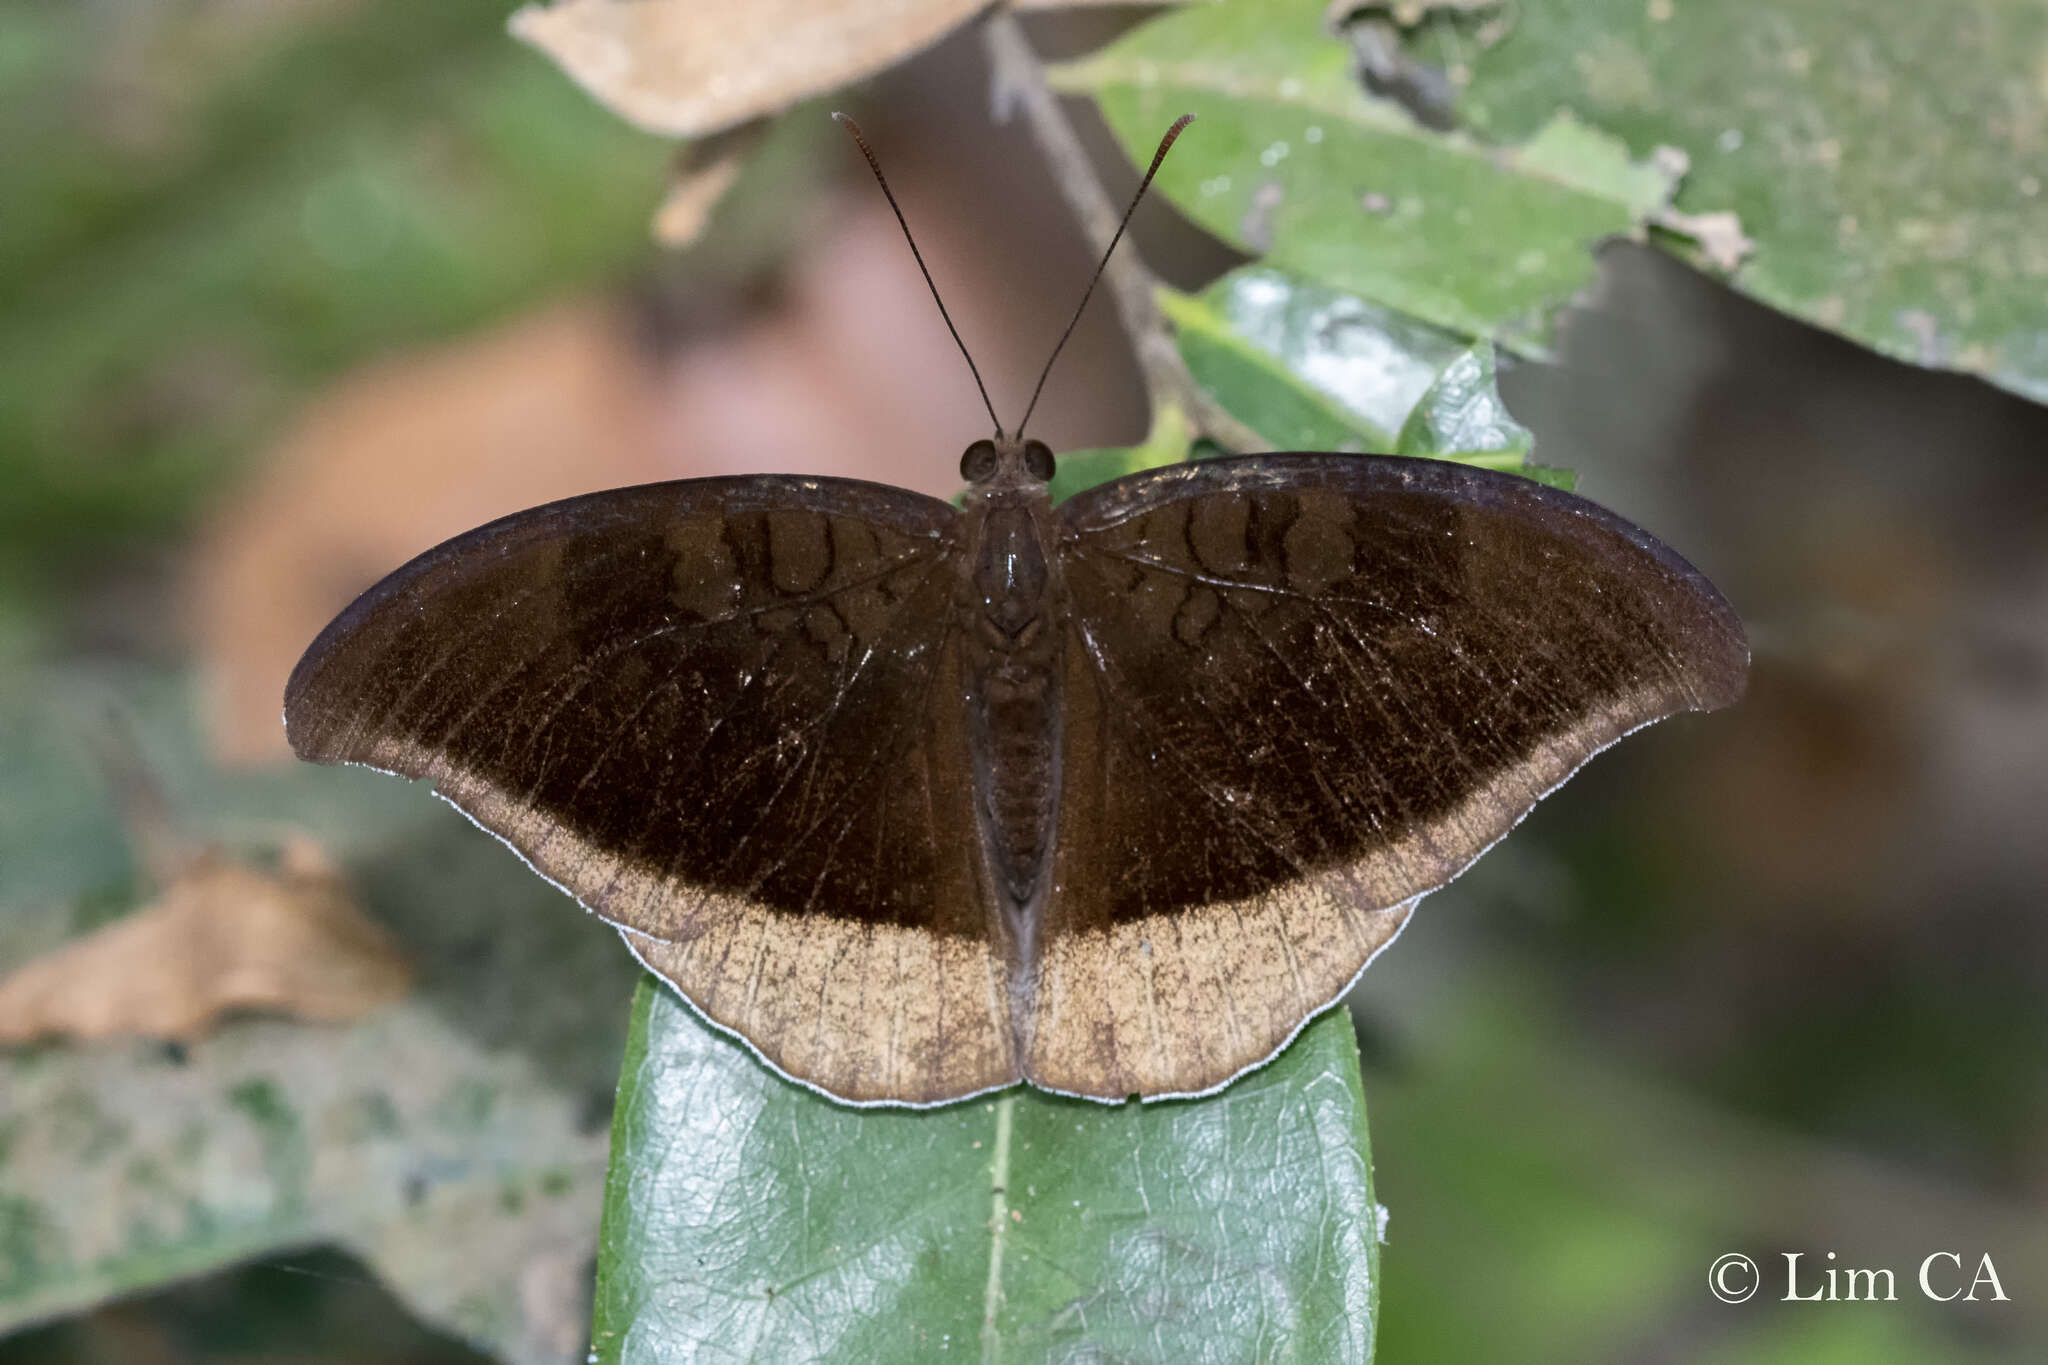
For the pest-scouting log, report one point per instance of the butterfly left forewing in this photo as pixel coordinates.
(1302, 691)
(715, 712)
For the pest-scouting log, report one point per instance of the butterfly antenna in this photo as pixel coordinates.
(876, 167)
(1165, 144)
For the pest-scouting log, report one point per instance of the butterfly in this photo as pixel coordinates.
(922, 800)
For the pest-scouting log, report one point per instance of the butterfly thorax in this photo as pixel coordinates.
(1011, 603)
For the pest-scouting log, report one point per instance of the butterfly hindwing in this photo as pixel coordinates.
(1303, 690)
(707, 710)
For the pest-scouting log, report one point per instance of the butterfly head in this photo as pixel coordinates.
(1007, 461)
(1010, 461)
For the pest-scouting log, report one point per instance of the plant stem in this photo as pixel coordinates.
(1019, 83)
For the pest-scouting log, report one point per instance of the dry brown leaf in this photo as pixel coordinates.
(1719, 235)
(394, 459)
(682, 68)
(703, 172)
(224, 937)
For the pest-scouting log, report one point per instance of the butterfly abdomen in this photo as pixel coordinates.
(1011, 663)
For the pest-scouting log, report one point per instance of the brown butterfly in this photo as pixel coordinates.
(1111, 797)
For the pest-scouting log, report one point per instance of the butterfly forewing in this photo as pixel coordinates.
(719, 712)
(1301, 691)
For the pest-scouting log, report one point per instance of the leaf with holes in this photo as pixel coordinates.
(1313, 368)
(1462, 418)
(1888, 157)
(1307, 366)
(1294, 161)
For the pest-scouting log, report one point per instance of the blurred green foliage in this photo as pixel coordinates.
(210, 209)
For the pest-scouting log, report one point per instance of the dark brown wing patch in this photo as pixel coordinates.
(1302, 691)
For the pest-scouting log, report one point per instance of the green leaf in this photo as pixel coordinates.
(1294, 162)
(1313, 368)
(1462, 418)
(1886, 156)
(1307, 366)
(446, 1140)
(1268, 399)
(1258, 386)
(748, 1218)
(1166, 443)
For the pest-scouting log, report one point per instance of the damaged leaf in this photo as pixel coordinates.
(703, 172)
(1294, 160)
(1719, 237)
(1306, 366)
(224, 937)
(453, 1141)
(1462, 418)
(1885, 156)
(1311, 368)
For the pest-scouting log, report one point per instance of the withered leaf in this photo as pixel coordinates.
(684, 69)
(553, 403)
(1719, 236)
(702, 173)
(223, 937)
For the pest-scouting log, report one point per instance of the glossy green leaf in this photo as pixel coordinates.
(1887, 157)
(1293, 161)
(1462, 416)
(453, 1141)
(1312, 368)
(1257, 386)
(1370, 363)
(1165, 444)
(1268, 399)
(746, 1218)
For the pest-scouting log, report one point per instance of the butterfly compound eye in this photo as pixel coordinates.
(978, 463)
(1038, 459)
